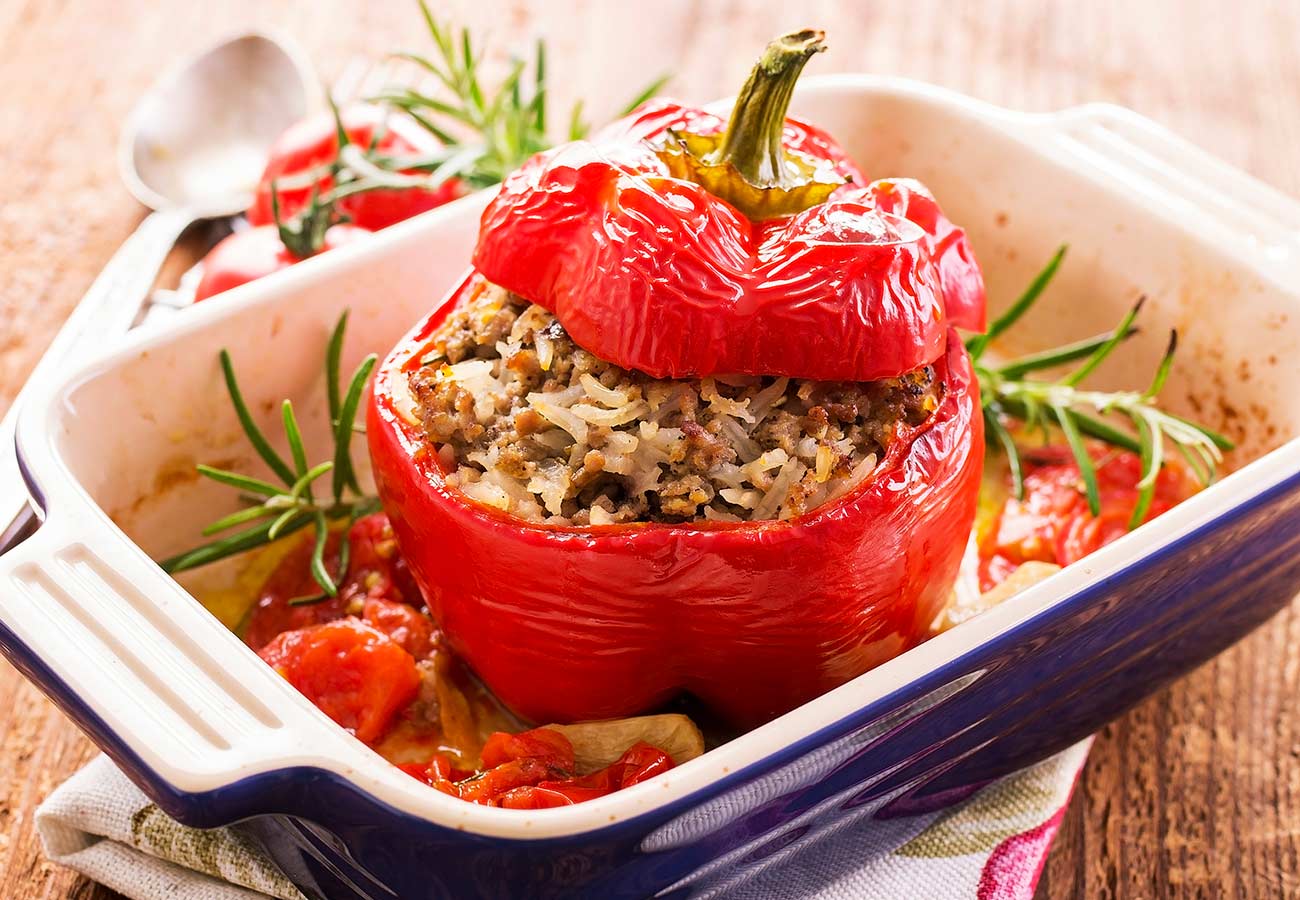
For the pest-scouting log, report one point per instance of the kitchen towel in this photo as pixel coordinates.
(990, 846)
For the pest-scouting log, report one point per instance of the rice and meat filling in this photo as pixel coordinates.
(528, 422)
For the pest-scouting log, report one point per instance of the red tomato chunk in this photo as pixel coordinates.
(359, 677)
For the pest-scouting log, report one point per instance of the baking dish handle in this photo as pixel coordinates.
(1201, 190)
(133, 659)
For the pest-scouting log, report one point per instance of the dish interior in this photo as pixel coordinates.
(132, 430)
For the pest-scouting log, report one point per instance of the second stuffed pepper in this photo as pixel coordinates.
(697, 421)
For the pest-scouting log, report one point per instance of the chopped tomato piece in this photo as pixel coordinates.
(437, 769)
(1053, 522)
(359, 677)
(638, 763)
(406, 625)
(486, 787)
(543, 744)
(546, 797)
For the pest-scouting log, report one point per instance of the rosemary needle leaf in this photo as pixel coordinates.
(409, 99)
(344, 476)
(255, 436)
(318, 570)
(647, 92)
(1220, 441)
(340, 133)
(1151, 453)
(1065, 418)
(1203, 470)
(430, 126)
(333, 354)
(247, 514)
(432, 24)
(1162, 371)
(283, 521)
(428, 65)
(507, 93)
(1099, 355)
(220, 549)
(470, 64)
(302, 487)
(977, 344)
(309, 599)
(539, 88)
(1104, 431)
(1057, 356)
(236, 480)
(993, 424)
(577, 127)
(292, 432)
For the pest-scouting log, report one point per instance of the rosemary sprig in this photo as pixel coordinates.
(497, 131)
(506, 126)
(292, 505)
(1008, 393)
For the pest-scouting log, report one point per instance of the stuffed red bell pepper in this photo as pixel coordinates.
(697, 421)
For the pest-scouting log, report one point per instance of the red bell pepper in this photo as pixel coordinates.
(775, 246)
(565, 622)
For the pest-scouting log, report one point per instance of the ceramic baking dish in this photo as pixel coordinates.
(215, 736)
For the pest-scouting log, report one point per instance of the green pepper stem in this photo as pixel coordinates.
(753, 142)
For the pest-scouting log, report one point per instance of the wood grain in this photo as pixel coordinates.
(1196, 792)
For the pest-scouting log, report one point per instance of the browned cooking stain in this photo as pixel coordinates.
(176, 472)
(1000, 219)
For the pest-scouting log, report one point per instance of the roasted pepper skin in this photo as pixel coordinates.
(655, 273)
(567, 623)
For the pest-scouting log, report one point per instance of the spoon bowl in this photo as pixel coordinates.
(198, 140)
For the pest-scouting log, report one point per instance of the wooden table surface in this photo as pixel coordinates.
(1196, 792)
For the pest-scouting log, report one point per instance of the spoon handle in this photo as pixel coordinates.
(106, 311)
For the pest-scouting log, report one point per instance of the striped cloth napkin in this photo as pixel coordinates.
(991, 846)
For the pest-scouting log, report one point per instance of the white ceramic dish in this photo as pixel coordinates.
(110, 450)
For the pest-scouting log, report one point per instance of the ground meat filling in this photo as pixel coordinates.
(530, 423)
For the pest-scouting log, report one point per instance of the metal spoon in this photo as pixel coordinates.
(192, 149)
